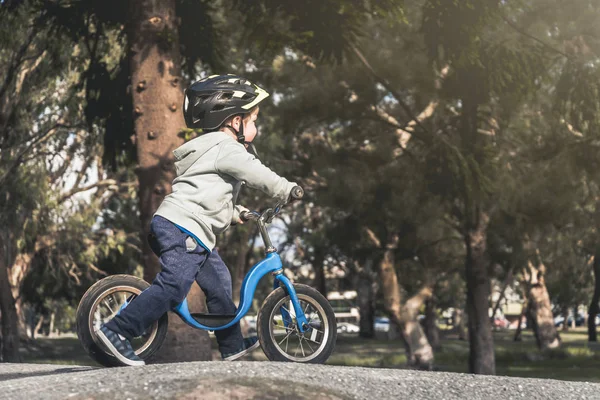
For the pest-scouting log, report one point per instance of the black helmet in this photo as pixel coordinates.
(210, 101)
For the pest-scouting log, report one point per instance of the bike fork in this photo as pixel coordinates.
(281, 279)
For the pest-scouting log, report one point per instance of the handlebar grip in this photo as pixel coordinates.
(297, 193)
(245, 216)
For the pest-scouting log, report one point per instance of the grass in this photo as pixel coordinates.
(575, 360)
(63, 350)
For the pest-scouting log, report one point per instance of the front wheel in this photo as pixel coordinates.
(283, 341)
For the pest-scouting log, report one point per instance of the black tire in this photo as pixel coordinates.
(88, 338)
(265, 325)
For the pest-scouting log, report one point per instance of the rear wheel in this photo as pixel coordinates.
(287, 343)
(100, 304)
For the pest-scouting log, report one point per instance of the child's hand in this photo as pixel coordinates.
(241, 209)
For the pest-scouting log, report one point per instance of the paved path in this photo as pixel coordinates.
(269, 380)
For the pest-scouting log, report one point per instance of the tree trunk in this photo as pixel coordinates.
(565, 324)
(505, 285)
(418, 350)
(481, 342)
(37, 327)
(594, 307)
(157, 99)
(318, 266)
(366, 295)
(16, 273)
(431, 329)
(8, 312)
(52, 319)
(412, 332)
(459, 323)
(540, 308)
(517, 337)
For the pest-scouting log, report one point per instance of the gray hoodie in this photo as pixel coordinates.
(210, 170)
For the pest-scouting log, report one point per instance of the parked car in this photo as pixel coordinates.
(579, 321)
(382, 324)
(346, 327)
(500, 322)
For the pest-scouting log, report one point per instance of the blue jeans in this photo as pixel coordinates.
(182, 261)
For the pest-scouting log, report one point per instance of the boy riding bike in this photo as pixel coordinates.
(210, 171)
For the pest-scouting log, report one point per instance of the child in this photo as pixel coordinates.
(210, 171)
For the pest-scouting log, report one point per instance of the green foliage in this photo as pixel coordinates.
(320, 29)
(201, 34)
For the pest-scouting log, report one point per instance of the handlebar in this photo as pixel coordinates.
(296, 194)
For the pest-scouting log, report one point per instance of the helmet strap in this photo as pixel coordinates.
(242, 139)
(251, 148)
(239, 133)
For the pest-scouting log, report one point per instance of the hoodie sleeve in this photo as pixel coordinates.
(234, 160)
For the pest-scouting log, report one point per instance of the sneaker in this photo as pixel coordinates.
(119, 347)
(250, 344)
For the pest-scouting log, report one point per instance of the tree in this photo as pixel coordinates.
(31, 62)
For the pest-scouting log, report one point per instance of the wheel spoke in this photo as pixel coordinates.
(103, 311)
(291, 314)
(307, 305)
(301, 348)
(286, 336)
(112, 315)
(106, 302)
(309, 346)
(315, 329)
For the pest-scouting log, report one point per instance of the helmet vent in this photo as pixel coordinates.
(198, 116)
(227, 95)
(200, 99)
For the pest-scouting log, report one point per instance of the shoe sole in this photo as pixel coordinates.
(116, 353)
(243, 352)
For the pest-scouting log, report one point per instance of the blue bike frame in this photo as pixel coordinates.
(271, 264)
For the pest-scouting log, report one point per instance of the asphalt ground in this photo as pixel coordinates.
(271, 380)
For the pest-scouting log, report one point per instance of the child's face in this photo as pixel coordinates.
(250, 129)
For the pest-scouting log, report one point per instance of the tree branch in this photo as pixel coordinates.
(388, 87)
(25, 71)
(101, 184)
(414, 303)
(374, 239)
(16, 61)
(41, 138)
(70, 154)
(522, 32)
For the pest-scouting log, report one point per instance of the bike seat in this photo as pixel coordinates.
(213, 320)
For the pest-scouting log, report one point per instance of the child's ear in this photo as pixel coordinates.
(237, 120)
